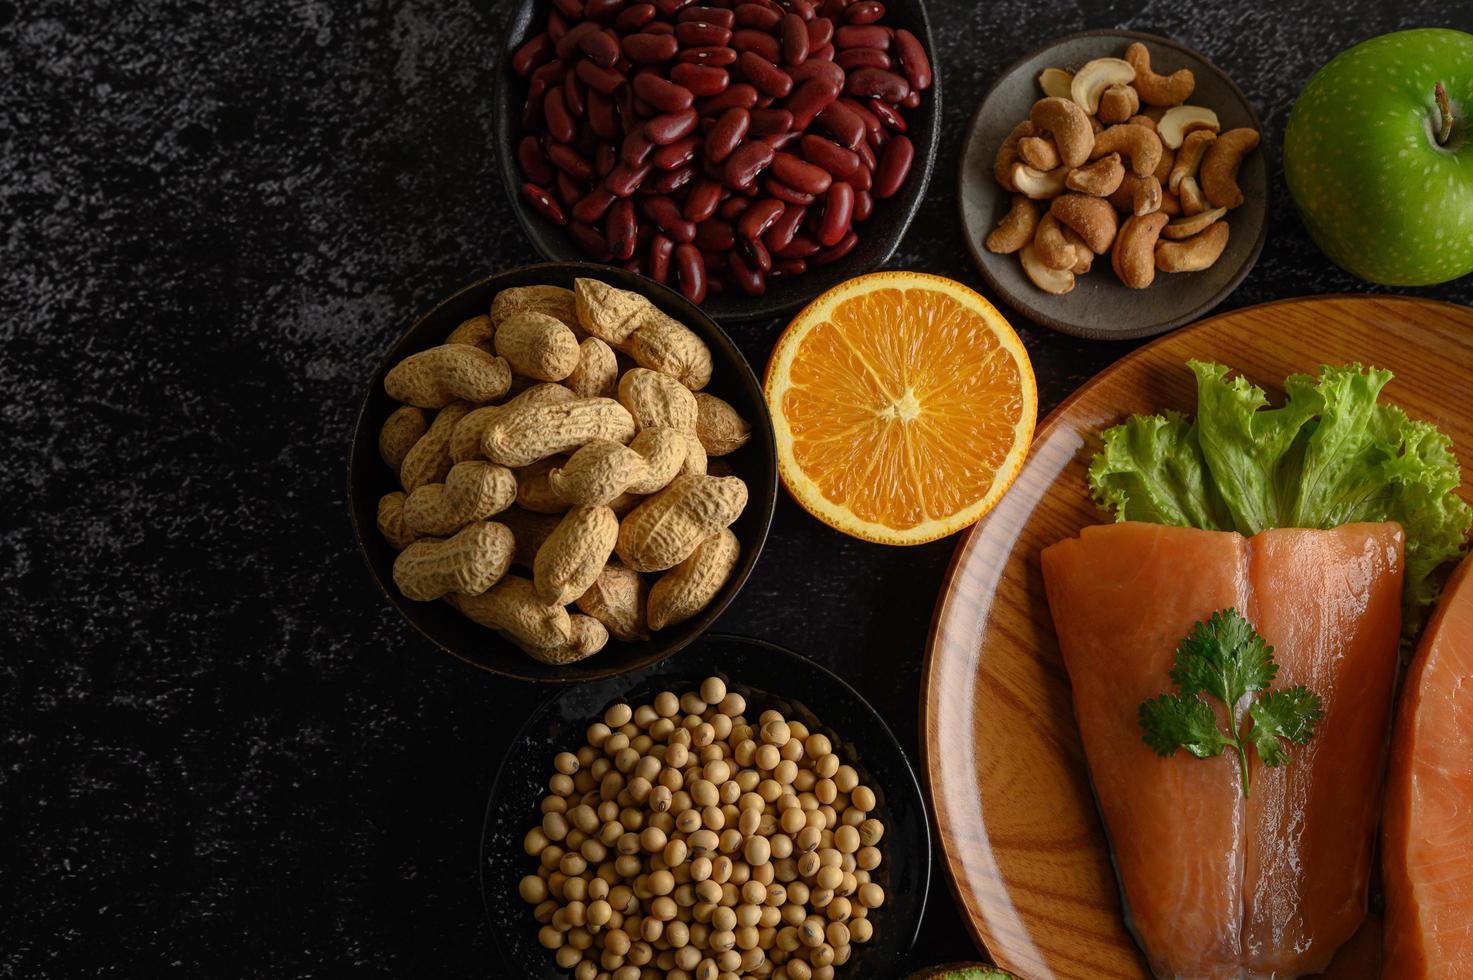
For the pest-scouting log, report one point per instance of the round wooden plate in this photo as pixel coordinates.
(1025, 851)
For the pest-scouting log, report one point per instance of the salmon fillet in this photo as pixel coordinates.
(1216, 886)
(1427, 839)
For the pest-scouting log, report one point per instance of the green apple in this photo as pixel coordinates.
(1378, 154)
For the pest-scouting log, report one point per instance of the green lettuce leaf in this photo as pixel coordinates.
(1331, 454)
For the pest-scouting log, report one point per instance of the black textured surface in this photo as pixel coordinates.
(221, 753)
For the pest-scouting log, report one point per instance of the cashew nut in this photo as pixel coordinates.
(1154, 89)
(1190, 194)
(1218, 174)
(1038, 152)
(1068, 125)
(1134, 259)
(1138, 195)
(1049, 244)
(1007, 155)
(1055, 82)
(1143, 120)
(1055, 281)
(1193, 254)
(1189, 157)
(1099, 178)
(1092, 217)
(1187, 227)
(1091, 81)
(1178, 121)
(1016, 227)
(1118, 104)
(1038, 184)
(1142, 146)
(1083, 257)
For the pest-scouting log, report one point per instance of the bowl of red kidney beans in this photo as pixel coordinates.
(749, 153)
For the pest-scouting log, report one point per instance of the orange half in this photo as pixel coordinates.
(903, 405)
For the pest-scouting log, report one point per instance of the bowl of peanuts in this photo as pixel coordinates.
(744, 814)
(562, 472)
(749, 153)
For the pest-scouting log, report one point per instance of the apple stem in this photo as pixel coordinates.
(1445, 108)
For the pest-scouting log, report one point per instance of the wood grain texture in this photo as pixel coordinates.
(1024, 848)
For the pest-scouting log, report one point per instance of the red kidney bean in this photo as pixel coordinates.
(662, 94)
(800, 247)
(853, 59)
(739, 94)
(895, 163)
(671, 7)
(715, 235)
(720, 16)
(760, 16)
(602, 9)
(601, 117)
(620, 229)
(575, 94)
(826, 70)
(743, 166)
(872, 125)
(531, 54)
(570, 161)
(727, 134)
(863, 178)
(759, 217)
(850, 36)
(749, 280)
(571, 9)
(734, 207)
(842, 124)
(603, 79)
(569, 191)
(660, 27)
(913, 60)
(864, 206)
(802, 8)
(866, 12)
(649, 49)
(665, 213)
(697, 34)
(834, 8)
(601, 49)
(715, 57)
(594, 205)
(780, 140)
(787, 268)
(800, 174)
(624, 180)
(820, 33)
(532, 120)
(838, 214)
(785, 227)
(661, 248)
(604, 159)
(533, 163)
(690, 272)
(836, 252)
(757, 42)
(794, 33)
(544, 203)
(669, 181)
(876, 83)
(633, 17)
(783, 192)
(560, 125)
(677, 154)
(811, 98)
(666, 129)
(765, 122)
(702, 199)
(700, 79)
(764, 75)
(755, 252)
(636, 149)
(832, 157)
(825, 53)
(888, 116)
(556, 26)
(567, 45)
(912, 100)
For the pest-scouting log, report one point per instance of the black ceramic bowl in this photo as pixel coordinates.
(369, 479)
(878, 238)
(768, 677)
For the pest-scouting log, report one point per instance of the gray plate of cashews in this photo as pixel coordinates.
(1193, 199)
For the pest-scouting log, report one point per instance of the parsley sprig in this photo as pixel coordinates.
(1225, 658)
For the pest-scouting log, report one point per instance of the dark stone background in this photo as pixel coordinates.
(221, 753)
